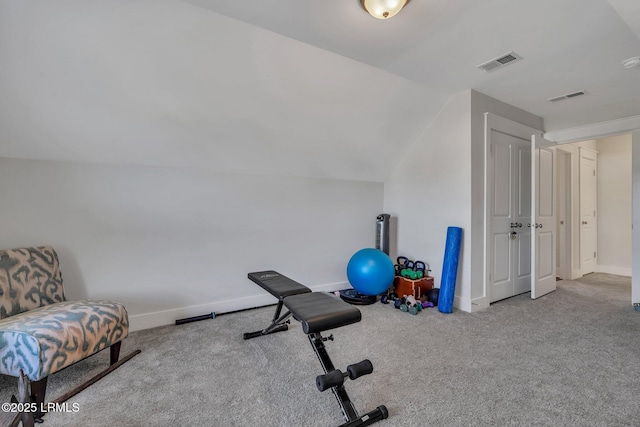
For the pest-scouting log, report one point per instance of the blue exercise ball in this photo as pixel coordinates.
(370, 271)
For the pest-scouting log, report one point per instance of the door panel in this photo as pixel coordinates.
(502, 286)
(545, 244)
(523, 276)
(510, 213)
(524, 180)
(502, 270)
(524, 256)
(502, 181)
(588, 207)
(547, 171)
(543, 225)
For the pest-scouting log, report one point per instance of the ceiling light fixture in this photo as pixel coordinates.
(383, 9)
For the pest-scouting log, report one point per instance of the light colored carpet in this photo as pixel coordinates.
(571, 358)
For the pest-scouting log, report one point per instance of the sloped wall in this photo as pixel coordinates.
(430, 190)
(178, 242)
(169, 84)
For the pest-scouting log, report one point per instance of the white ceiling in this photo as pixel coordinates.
(568, 45)
(292, 87)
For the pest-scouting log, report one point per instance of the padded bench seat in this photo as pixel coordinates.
(277, 285)
(319, 311)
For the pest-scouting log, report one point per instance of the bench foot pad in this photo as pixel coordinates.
(380, 413)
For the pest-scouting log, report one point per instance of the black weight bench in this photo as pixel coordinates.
(318, 312)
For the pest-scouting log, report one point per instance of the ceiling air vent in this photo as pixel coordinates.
(568, 96)
(499, 62)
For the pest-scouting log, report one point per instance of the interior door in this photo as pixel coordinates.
(588, 207)
(510, 212)
(563, 218)
(543, 223)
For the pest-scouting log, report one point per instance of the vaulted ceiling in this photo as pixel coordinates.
(295, 87)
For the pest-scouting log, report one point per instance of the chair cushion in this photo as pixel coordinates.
(29, 278)
(47, 339)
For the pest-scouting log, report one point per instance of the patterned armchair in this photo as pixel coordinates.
(42, 333)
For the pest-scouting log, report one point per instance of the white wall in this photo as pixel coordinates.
(614, 205)
(429, 190)
(178, 242)
(440, 183)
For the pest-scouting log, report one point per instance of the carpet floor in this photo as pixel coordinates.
(570, 358)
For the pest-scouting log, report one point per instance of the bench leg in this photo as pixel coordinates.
(278, 324)
(347, 407)
(348, 410)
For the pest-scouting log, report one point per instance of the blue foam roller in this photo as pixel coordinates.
(449, 269)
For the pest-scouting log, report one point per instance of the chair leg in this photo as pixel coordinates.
(38, 391)
(115, 352)
(23, 393)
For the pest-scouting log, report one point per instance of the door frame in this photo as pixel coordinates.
(496, 123)
(601, 130)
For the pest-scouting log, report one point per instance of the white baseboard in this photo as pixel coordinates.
(611, 269)
(168, 317)
(462, 303)
(478, 304)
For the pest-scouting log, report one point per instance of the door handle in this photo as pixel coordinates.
(584, 222)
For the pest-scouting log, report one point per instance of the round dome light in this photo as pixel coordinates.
(383, 9)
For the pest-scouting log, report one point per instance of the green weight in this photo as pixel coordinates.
(403, 307)
(413, 310)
